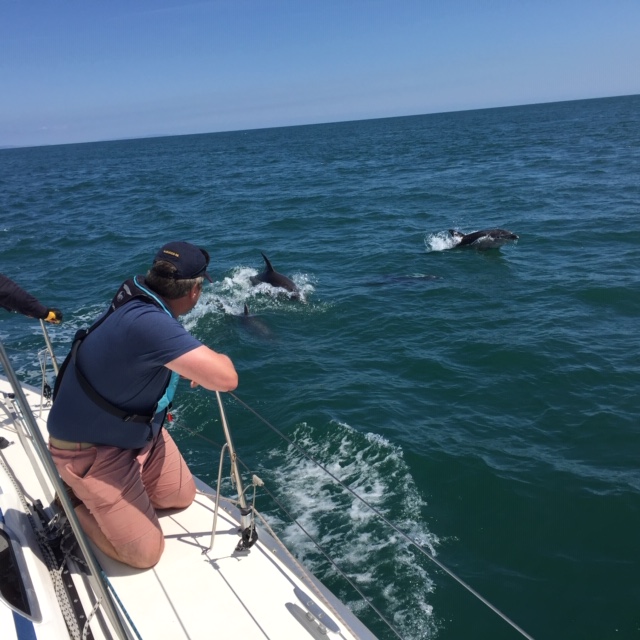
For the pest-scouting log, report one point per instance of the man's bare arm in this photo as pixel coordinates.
(205, 367)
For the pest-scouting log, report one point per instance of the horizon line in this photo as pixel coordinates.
(310, 124)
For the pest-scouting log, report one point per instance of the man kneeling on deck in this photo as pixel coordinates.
(112, 396)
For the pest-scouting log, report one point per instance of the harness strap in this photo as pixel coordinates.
(103, 403)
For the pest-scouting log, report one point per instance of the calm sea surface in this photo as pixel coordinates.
(485, 402)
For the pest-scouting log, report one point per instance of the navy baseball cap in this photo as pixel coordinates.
(190, 261)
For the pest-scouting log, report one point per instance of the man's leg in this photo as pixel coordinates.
(116, 513)
(165, 474)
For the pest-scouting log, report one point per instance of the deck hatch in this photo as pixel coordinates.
(12, 588)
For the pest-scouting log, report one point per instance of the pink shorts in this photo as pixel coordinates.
(122, 488)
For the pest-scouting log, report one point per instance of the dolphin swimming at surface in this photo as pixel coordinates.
(484, 239)
(254, 325)
(275, 279)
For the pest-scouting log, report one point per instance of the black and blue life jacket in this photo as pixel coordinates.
(132, 289)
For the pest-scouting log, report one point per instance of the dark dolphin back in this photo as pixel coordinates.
(275, 279)
(254, 325)
(470, 238)
(483, 239)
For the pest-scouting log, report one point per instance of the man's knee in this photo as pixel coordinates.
(187, 494)
(179, 499)
(145, 552)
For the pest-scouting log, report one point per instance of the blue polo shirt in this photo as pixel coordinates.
(123, 360)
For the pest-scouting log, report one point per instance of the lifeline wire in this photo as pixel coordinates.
(448, 571)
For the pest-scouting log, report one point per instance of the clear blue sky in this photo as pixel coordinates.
(83, 70)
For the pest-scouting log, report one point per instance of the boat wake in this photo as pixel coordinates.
(358, 541)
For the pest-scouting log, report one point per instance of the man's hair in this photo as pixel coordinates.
(161, 279)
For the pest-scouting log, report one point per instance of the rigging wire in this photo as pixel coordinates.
(401, 533)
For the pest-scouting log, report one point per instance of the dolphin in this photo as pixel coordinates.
(484, 239)
(275, 279)
(254, 325)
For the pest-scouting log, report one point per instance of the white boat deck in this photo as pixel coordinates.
(262, 593)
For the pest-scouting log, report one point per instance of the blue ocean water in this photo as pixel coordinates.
(485, 402)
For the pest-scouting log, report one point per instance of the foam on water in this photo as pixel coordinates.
(440, 241)
(230, 294)
(360, 542)
(225, 300)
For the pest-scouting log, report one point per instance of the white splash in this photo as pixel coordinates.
(360, 542)
(440, 241)
(229, 295)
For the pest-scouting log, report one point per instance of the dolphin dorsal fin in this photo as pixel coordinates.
(246, 310)
(266, 260)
